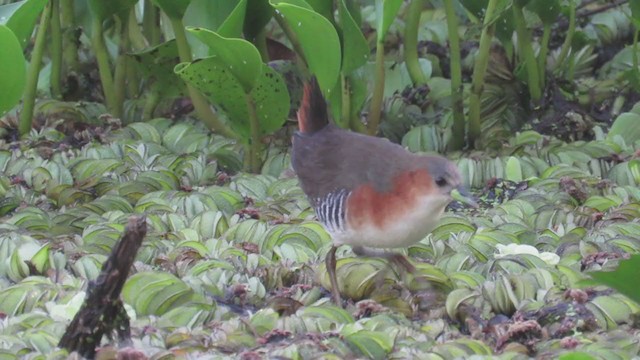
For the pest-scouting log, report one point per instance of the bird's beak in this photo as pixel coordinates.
(464, 196)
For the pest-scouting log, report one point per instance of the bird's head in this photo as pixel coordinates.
(447, 180)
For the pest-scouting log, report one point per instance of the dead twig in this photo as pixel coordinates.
(103, 312)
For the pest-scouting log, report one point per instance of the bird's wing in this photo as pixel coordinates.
(334, 160)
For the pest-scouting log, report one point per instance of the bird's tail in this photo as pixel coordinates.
(312, 114)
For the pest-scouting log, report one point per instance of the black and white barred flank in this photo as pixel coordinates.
(331, 210)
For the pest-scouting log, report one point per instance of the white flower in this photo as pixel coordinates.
(517, 249)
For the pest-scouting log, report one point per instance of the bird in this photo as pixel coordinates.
(366, 191)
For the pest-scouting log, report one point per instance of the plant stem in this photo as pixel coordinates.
(528, 55)
(292, 37)
(200, 103)
(254, 140)
(104, 67)
(133, 80)
(479, 70)
(184, 51)
(151, 23)
(120, 77)
(260, 42)
(345, 113)
(137, 42)
(375, 111)
(66, 14)
(542, 56)
(350, 115)
(572, 29)
(412, 24)
(29, 99)
(70, 46)
(634, 53)
(455, 64)
(571, 68)
(357, 125)
(151, 101)
(56, 51)
(136, 37)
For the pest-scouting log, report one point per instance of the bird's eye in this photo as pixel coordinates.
(441, 181)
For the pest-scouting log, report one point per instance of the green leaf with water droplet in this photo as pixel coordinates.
(239, 56)
(318, 39)
(269, 95)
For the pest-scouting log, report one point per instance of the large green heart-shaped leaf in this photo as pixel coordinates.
(157, 65)
(207, 14)
(21, 18)
(505, 26)
(14, 71)
(386, 11)
(547, 10)
(239, 56)
(322, 7)
(318, 39)
(174, 9)
(300, 3)
(233, 24)
(271, 98)
(216, 15)
(212, 77)
(478, 8)
(502, 18)
(217, 83)
(259, 13)
(356, 84)
(475, 7)
(355, 47)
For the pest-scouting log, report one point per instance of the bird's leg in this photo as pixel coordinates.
(394, 257)
(330, 263)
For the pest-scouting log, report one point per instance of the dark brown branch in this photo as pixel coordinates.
(563, 23)
(103, 312)
(602, 8)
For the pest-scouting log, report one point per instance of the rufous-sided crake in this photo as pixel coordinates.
(368, 193)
